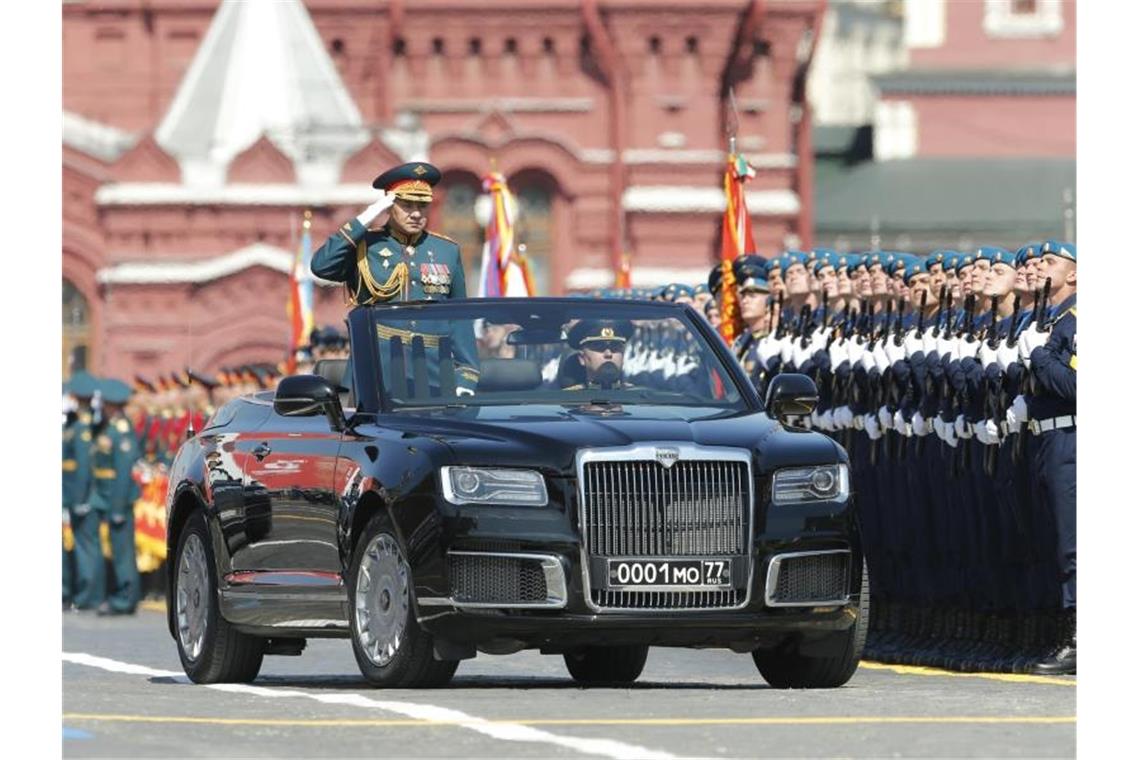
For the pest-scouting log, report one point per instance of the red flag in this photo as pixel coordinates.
(736, 240)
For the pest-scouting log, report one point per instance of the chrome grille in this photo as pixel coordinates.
(696, 508)
(496, 579)
(667, 600)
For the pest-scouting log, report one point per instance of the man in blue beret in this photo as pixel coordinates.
(113, 495)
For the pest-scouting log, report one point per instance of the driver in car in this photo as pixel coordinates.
(601, 347)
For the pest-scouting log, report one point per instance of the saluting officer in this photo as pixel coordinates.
(401, 261)
(113, 494)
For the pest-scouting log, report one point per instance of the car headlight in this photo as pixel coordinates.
(479, 485)
(801, 484)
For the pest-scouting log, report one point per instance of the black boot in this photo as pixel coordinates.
(1062, 661)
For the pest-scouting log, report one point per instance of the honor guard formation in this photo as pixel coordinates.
(950, 379)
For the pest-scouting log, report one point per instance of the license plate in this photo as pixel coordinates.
(670, 573)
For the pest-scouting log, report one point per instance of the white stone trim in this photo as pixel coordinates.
(94, 138)
(703, 199)
(171, 194)
(896, 130)
(194, 271)
(924, 23)
(586, 278)
(1001, 22)
(503, 105)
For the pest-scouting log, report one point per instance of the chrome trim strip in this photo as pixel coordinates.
(774, 575)
(552, 568)
(647, 451)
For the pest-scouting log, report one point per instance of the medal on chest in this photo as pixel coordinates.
(436, 278)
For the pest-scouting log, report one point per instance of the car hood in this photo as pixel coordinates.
(549, 437)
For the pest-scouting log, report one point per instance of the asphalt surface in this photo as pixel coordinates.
(124, 695)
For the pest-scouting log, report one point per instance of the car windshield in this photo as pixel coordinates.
(547, 351)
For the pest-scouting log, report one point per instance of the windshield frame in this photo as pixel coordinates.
(362, 322)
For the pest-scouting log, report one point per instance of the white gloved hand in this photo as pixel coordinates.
(986, 355)
(929, 342)
(801, 354)
(385, 202)
(899, 421)
(879, 354)
(894, 353)
(786, 349)
(913, 344)
(949, 434)
(827, 420)
(767, 348)
(464, 392)
(967, 349)
(918, 422)
(837, 352)
(993, 432)
(818, 341)
(1019, 410)
(947, 346)
(1010, 418)
(843, 417)
(886, 419)
(960, 426)
(1006, 355)
(871, 425)
(1029, 340)
(855, 351)
(867, 360)
(939, 428)
(980, 432)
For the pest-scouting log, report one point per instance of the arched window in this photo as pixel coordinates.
(76, 330)
(457, 221)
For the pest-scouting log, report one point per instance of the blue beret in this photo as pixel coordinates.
(699, 288)
(412, 181)
(83, 384)
(114, 391)
(824, 257)
(684, 290)
(998, 255)
(1058, 248)
(795, 257)
(1027, 252)
(964, 260)
(915, 266)
(951, 261)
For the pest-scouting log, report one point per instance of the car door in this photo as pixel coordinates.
(291, 509)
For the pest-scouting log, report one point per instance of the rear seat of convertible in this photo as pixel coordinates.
(333, 371)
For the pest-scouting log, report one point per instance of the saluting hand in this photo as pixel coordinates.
(376, 209)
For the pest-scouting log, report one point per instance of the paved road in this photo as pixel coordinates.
(124, 695)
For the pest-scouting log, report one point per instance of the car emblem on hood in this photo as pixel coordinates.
(667, 457)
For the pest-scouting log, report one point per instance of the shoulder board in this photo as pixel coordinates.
(433, 233)
(1073, 311)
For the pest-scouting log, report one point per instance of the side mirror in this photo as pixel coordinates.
(791, 395)
(308, 396)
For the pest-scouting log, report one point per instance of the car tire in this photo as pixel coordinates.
(599, 665)
(793, 670)
(391, 649)
(211, 650)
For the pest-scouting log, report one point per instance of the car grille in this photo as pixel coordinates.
(496, 580)
(667, 600)
(808, 579)
(644, 509)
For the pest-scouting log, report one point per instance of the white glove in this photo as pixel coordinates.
(913, 344)
(986, 355)
(879, 354)
(983, 433)
(967, 348)
(855, 351)
(949, 434)
(1010, 418)
(886, 419)
(960, 426)
(867, 360)
(929, 342)
(871, 425)
(894, 353)
(827, 420)
(1019, 409)
(946, 345)
(366, 216)
(993, 432)
(767, 348)
(939, 428)
(837, 352)
(1006, 355)
(801, 355)
(786, 349)
(843, 417)
(1029, 340)
(918, 422)
(464, 392)
(899, 421)
(818, 340)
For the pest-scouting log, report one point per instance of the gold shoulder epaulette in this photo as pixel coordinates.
(445, 237)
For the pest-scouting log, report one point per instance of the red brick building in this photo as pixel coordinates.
(197, 133)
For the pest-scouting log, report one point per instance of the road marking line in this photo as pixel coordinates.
(505, 731)
(786, 721)
(918, 670)
(152, 605)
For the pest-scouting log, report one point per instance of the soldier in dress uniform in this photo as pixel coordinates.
(113, 494)
(749, 347)
(402, 261)
(601, 345)
(1051, 355)
(78, 585)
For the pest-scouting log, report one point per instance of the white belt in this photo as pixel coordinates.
(1037, 427)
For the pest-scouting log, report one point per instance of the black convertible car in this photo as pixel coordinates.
(586, 478)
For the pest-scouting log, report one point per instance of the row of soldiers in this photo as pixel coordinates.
(951, 381)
